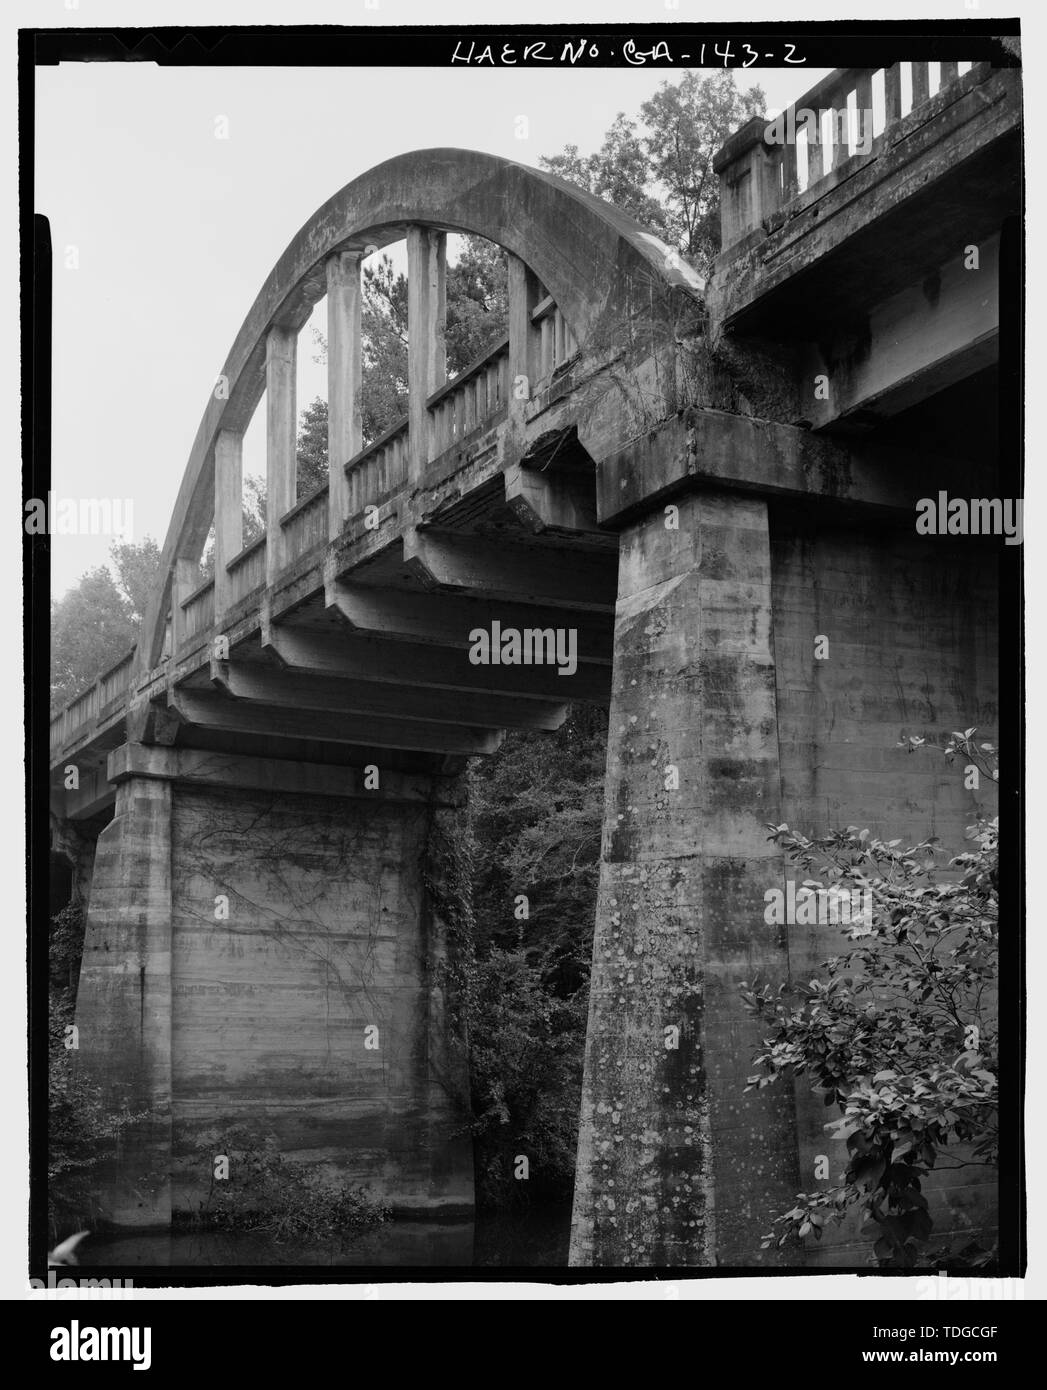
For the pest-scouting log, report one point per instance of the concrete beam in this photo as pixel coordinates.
(914, 344)
(202, 768)
(265, 685)
(558, 502)
(446, 620)
(499, 570)
(737, 452)
(94, 794)
(429, 667)
(206, 711)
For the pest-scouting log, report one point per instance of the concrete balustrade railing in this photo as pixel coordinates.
(842, 123)
(198, 610)
(441, 414)
(247, 570)
(379, 470)
(110, 685)
(472, 398)
(555, 341)
(305, 525)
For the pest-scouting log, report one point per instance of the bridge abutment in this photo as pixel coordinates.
(263, 958)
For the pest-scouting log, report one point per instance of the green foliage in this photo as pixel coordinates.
(266, 1191)
(477, 302)
(526, 1048)
(384, 324)
(65, 947)
(477, 316)
(536, 815)
(312, 447)
(659, 169)
(96, 623)
(900, 1032)
(531, 828)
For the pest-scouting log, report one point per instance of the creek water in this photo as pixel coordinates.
(535, 1238)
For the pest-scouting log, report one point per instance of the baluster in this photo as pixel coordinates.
(280, 461)
(344, 368)
(920, 84)
(892, 95)
(228, 514)
(772, 188)
(815, 149)
(840, 123)
(790, 182)
(863, 93)
(950, 72)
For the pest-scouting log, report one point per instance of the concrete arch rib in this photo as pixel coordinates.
(590, 256)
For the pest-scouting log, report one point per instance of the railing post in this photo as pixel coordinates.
(892, 91)
(280, 441)
(949, 73)
(523, 296)
(183, 582)
(426, 341)
(816, 166)
(840, 128)
(921, 79)
(863, 98)
(344, 367)
(228, 514)
(790, 181)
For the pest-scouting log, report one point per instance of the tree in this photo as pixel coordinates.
(659, 169)
(527, 847)
(477, 316)
(619, 172)
(477, 302)
(899, 1033)
(688, 122)
(96, 623)
(312, 447)
(384, 327)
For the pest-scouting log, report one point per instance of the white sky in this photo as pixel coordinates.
(176, 230)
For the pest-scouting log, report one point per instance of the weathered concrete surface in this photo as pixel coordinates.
(123, 1013)
(675, 1165)
(911, 623)
(261, 1016)
(596, 262)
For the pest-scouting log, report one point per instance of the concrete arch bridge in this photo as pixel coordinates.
(650, 468)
